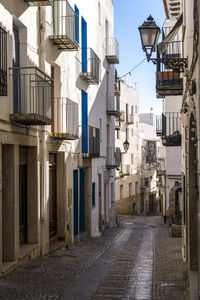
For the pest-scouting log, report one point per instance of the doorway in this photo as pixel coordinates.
(22, 195)
(52, 196)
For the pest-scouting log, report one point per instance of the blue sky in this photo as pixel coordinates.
(129, 15)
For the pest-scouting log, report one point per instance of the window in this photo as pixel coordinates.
(121, 191)
(118, 134)
(130, 189)
(93, 195)
(126, 112)
(132, 112)
(132, 158)
(99, 13)
(136, 109)
(3, 62)
(136, 187)
(127, 134)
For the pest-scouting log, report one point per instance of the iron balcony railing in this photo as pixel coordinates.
(113, 157)
(113, 104)
(117, 123)
(89, 66)
(64, 29)
(159, 125)
(122, 116)
(94, 141)
(126, 169)
(112, 50)
(129, 119)
(39, 2)
(3, 63)
(171, 129)
(168, 81)
(32, 96)
(65, 119)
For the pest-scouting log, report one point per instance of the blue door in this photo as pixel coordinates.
(82, 200)
(84, 44)
(84, 122)
(75, 187)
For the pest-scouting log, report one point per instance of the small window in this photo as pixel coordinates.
(136, 187)
(132, 158)
(93, 195)
(99, 13)
(121, 191)
(3, 63)
(130, 189)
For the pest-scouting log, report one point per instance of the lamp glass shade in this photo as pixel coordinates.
(149, 33)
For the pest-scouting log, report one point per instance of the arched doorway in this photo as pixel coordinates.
(192, 199)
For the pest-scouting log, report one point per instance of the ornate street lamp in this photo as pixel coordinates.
(149, 33)
(126, 146)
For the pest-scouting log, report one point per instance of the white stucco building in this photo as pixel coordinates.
(127, 176)
(57, 123)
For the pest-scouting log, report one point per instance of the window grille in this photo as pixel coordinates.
(3, 62)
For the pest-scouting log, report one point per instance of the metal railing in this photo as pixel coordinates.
(64, 28)
(32, 93)
(39, 2)
(129, 118)
(171, 128)
(112, 50)
(3, 62)
(94, 141)
(65, 119)
(113, 103)
(159, 125)
(122, 116)
(126, 169)
(113, 157)
(89, 66)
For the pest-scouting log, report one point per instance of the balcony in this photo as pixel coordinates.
(64, 29)
(129, 119)
(126, 170)
(89, 66)
(112, 50)
(159, 125)
(65, 119)
(171, 129)
(32, 97)
(117, 123)
(94, 142)
(39, 2)
(122, 116)
(113, 157)
(169, 82)
(113, 104)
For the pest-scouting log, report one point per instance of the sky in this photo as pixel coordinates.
(129, 15)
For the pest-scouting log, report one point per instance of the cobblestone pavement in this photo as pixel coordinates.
(138, 260)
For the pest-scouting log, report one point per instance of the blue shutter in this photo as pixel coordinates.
(93, 194)
(76, 23)
(84, 44)
(84, 122)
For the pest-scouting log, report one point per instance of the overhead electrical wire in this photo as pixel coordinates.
(129, 73)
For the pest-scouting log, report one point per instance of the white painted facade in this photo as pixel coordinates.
(36, 49)
(127, 176)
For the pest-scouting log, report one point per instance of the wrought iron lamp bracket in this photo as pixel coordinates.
(176, 64)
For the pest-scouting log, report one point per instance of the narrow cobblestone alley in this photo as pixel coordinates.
(138, 260)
